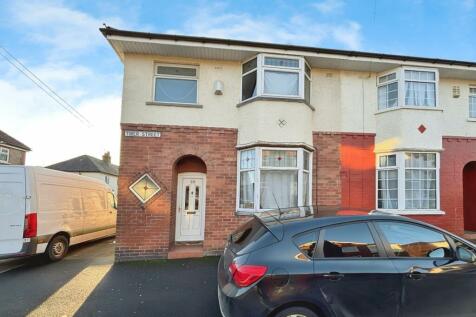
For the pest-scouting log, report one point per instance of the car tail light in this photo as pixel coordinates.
(245, 275)
(31, 225)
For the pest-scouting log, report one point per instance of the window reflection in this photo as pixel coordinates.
(352, 240)
(407, 240)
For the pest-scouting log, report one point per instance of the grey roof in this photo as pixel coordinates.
(9, 140)
(86, 163)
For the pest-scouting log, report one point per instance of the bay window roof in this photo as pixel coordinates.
(125, 42)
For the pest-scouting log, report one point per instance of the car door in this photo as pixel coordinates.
(354, 274)
(434, 281)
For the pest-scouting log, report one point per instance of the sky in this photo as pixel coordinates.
(59, 41)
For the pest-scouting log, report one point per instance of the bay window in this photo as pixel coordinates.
(407, 182)
(276, 76)
(273, 177)
(408, 87)
(472, 102)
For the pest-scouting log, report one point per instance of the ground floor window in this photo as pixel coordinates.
(273, 177)
(408, 181)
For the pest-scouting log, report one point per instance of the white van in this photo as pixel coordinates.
(46, 211)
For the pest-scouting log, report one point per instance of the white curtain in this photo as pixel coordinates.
(419, 94)
(247, 186)
(281, 83)
(278, 189)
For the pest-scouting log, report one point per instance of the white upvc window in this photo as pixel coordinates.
(276, 76)
(408, 87)
(4, 155)
(273, 177)
(176, 84)
(472, 102)
(408, 182)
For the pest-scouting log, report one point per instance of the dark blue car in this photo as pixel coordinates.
(293, 264)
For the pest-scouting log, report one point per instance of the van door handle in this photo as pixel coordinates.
(333, 276)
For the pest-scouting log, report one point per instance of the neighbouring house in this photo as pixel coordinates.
(12, 151)
(93, 167)
(214, 130)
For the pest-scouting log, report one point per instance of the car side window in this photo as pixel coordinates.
(409, 240)
(349, 241)
(306, 243)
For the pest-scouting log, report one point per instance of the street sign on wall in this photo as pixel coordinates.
(142, 134)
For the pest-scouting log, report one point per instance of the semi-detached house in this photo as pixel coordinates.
(214, 130)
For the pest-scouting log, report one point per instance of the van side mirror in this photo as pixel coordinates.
(465, 255)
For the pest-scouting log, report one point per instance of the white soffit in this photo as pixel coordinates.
(224, 52)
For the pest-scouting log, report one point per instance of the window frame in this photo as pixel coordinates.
(257, 176)
(5, 151)
(388, 248)
(472, 95)
(400, 166)
(191, 78)
(319, 254)
(261, 68)
(400, 78)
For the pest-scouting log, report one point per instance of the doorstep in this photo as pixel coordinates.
(185, 252)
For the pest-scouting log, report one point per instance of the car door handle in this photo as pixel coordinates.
(333, 276)
(416, 273)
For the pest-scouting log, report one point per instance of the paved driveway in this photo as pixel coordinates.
(87, 283)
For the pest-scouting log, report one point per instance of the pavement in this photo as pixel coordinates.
(88, 283)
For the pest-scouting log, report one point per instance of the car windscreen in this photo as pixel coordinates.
(247, 233)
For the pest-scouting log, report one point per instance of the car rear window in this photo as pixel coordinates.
(349, 240)
(246, 234)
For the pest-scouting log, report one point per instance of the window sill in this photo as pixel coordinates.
(267, 98)
(471, 119)
(171, 104)
(410, 108)
(245, 212)
(415, 212)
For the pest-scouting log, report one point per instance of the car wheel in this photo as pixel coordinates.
(296, 312)
(57, 248)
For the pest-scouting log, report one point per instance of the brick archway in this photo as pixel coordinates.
(469, 196)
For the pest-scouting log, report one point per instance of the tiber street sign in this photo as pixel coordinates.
(142, 134)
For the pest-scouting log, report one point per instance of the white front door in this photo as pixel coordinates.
(190, 222)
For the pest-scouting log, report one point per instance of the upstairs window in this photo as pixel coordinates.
(175, 84)
(472, 102)
(4, 154)
(276, 76)
(388, 91)
(408, 87)
(420, 88)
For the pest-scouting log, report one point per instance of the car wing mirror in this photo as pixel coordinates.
(438, 253)
(465, 255)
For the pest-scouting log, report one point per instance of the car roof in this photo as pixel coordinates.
(314, 222)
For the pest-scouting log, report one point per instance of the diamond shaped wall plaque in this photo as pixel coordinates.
(422, 128)
(144, 188)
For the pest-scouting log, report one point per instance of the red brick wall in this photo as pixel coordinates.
(326, 192)
(147, 231)
(344, 175)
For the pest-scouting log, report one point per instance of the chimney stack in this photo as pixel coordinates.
(107, 157)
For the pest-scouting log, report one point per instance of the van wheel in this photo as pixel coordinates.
(57, 248)
(296, 312)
